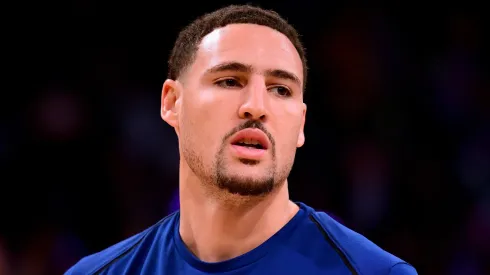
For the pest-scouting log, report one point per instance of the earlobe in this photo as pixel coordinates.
(169, 101)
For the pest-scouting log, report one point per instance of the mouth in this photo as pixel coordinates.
(250, 144)
(252, 139)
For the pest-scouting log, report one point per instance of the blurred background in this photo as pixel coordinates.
(398, 128)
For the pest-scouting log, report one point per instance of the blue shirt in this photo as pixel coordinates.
(310, 243)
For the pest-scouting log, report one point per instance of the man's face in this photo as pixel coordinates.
(241, 112)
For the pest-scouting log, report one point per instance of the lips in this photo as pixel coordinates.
(251, 138)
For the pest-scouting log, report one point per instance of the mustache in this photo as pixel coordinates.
(254, 124)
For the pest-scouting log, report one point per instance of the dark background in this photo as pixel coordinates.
(398, 127)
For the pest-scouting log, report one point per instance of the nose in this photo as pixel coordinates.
(254, 105)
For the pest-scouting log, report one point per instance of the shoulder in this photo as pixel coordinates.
(402, 268)
(359, 253)
(95, 262)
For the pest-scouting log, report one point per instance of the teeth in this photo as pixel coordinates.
(249, 141)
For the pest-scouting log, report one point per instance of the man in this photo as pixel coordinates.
(234, 96)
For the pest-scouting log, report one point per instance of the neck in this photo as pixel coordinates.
(216, 230)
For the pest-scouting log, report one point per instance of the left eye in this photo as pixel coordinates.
(281, 90)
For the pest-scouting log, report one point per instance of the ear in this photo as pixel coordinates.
(170, 104)
(301, 136)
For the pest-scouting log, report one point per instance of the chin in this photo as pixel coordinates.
(250, 162)
(244, 184)
(250, 172)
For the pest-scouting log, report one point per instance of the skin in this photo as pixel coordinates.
(243, 75)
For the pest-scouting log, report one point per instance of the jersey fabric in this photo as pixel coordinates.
(310, 243)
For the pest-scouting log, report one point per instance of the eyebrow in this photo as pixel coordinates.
(245, 68)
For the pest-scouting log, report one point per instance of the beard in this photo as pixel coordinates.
(220, 176)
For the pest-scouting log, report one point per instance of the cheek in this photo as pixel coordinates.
(288, 132)
(290, 138)
(202, 124)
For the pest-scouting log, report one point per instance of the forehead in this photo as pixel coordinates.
(260, 46)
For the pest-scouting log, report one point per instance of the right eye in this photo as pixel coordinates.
(228, 83)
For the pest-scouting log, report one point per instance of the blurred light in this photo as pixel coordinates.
(59, 115)
(174, 204)
(475, 163)
(368, 172)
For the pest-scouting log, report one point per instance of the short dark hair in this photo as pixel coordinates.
(188, 40)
